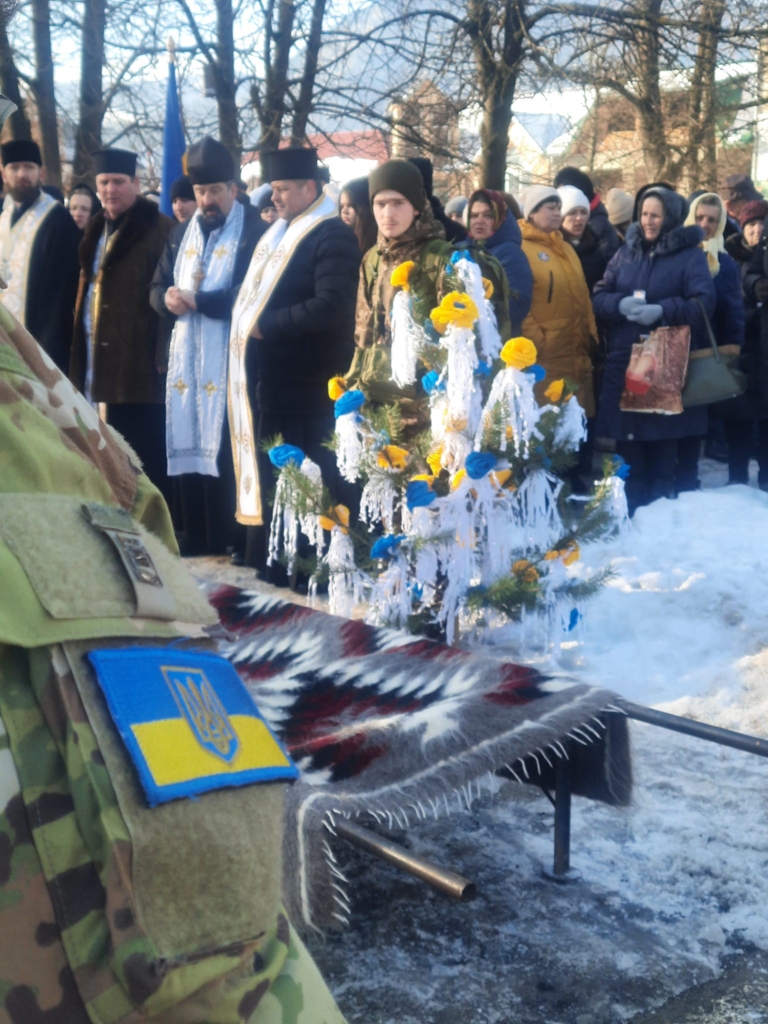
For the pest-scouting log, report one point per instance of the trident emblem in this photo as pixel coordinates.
(199, 704)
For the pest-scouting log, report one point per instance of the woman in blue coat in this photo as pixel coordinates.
(491, 225)
(660, 259)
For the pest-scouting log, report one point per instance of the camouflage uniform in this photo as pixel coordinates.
(73, 943)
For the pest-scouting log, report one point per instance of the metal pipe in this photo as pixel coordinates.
(446, 881)
(725, 737)
(562, 818)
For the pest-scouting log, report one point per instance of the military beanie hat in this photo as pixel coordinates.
(398, 176)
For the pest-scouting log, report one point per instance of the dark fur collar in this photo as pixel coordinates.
(678, 238)
(141, 217)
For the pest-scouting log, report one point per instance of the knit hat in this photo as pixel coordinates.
(398, 176)
(456, 205)
(573, 176)
(739, 186)
(619, 205)
(425, 169)
(572, 198)
(756, 210)
(182, 189)
(535, 195)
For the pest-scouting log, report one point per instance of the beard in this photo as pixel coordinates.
(213, 217)
(25, 193)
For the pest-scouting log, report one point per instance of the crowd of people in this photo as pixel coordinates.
(203, 336)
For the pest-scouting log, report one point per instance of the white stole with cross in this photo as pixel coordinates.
(16, 249)
(268, 263)
(197, 365)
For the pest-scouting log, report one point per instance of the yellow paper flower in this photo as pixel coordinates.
(487, 288)
(527, 572)
(433, 461)
(499, 477)
(337, 517)
(509, 433)
(424, 476)
(552, 555)
(458, 477)
(519, 353)
(456, 308)
(337, 386)
(400, 275)
(392, 457)
(571, 554)
(555, 390)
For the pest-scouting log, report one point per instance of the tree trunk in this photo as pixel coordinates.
(702, 156)
(307, 88)
(653, 137)
(18, 122)
(224, 77)
(88, 132)
(273, 107)
(497, 79)
(43, 87)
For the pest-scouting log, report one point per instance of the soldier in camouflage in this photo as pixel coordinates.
(86, 936)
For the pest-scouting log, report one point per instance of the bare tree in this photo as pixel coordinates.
(18, 126)
(43, 88)
(91, 105)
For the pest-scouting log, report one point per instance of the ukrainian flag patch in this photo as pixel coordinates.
(188, 722)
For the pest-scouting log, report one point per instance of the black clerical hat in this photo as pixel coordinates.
(182, 189)
(208, 161)
(114, 161)
(292, 164)
(21, 151)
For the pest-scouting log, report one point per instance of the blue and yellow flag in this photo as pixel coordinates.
(173, 142)
(188, 722)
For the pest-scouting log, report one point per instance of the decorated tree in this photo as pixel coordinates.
(470, 522)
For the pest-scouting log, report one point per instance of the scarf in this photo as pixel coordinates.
(715, 245)
(197, 365)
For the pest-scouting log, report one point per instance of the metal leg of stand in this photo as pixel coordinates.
(561, 869)
(562, 818)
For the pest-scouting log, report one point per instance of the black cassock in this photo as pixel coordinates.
(54, 271)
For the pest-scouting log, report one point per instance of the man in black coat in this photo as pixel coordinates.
(194, 297)
(599, 224)
(38, 253)
(292, 330)
(454, 231)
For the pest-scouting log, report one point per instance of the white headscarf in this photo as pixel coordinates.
(715, 245)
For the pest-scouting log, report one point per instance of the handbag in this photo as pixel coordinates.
(712, 372)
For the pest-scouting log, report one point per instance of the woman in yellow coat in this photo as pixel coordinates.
(560, 322)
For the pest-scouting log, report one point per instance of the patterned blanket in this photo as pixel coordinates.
(397, 728)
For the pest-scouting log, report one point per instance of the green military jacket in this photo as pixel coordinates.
(109, 911)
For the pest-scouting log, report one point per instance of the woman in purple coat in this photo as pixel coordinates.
(661, 260)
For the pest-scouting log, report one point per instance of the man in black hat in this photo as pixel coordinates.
(38, 252)
(292, 329)
(115, 338)
(454, 230)
(193, 290)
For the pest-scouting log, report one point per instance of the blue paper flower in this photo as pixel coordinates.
(574, 619)
(385, 547)
(349, 402)
(537, 371)
(483, 369)
(430, 382)
(430, 334)
(620, 467)
(418, 494)
(479, 464)
(282, 454)
(462, 254)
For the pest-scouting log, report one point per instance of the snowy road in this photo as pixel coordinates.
(672, 887)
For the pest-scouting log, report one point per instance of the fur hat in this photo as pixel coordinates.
(21, 151)
(573, 176)
(535, 195)
(619, 205)
(572, 198)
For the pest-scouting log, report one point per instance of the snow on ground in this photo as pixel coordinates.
(671, 886)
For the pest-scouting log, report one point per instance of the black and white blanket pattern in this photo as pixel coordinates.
(397, 728)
